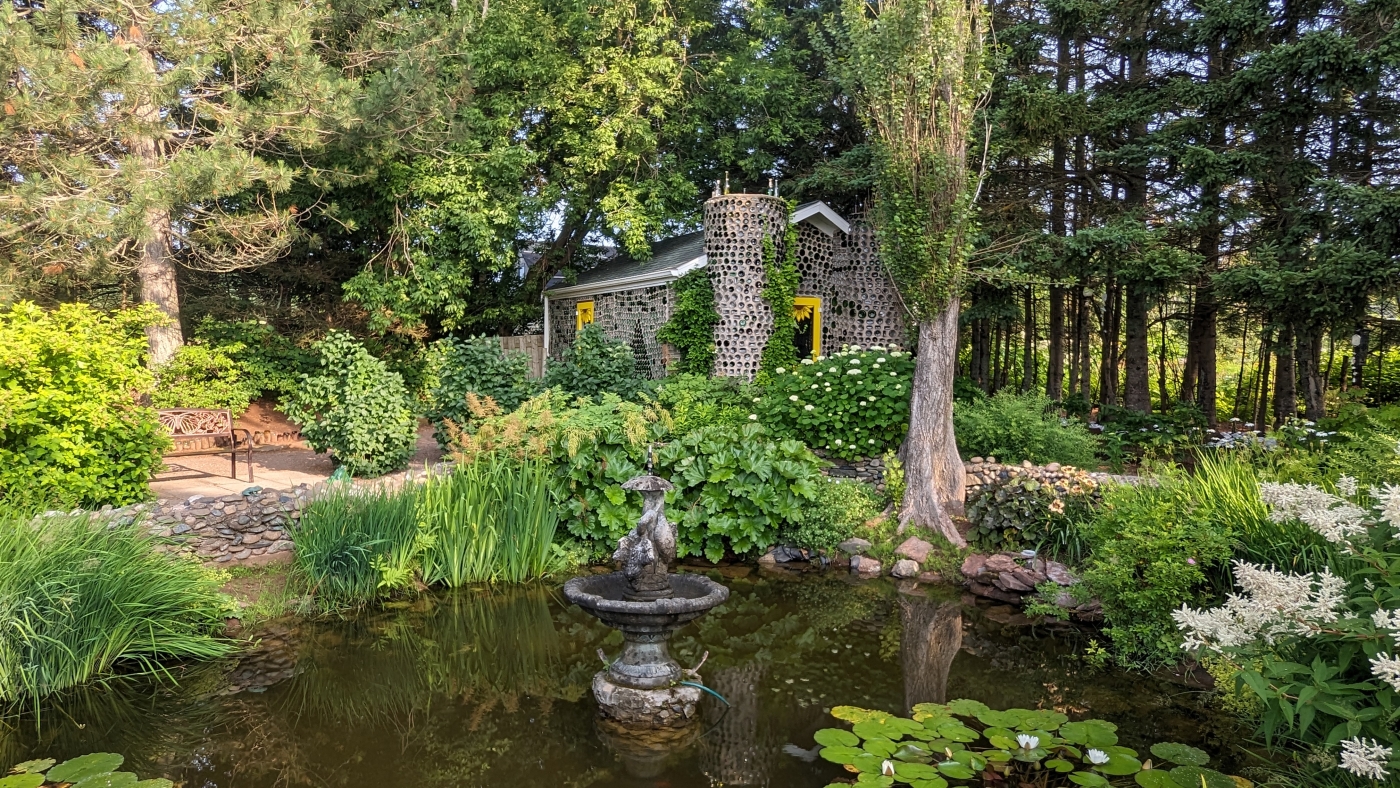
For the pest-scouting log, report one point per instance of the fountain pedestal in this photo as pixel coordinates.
(641, 689)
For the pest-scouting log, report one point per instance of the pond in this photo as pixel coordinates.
(491, 688)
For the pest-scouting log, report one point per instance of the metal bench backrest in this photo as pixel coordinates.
(197, 423)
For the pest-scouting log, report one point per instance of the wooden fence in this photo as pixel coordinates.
(532, 345)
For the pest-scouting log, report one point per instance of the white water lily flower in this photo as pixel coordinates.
(1027, 741)
(1096, 757)
(1387, 669)
(887, 769)
(1365, 758)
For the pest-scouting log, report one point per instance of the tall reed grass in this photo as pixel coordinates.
(82, 600)
(487, 521)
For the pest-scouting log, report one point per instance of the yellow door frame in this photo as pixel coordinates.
(802, 306)
(583, 314)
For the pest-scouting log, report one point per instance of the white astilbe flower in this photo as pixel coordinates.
(1346, 485)
(1389, 497)
(1365, 758)
(1387, 669)
(1336, 519)
(1272, 604)
(1388, 620)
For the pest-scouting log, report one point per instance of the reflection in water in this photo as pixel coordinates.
(479, 688)
(931, 639)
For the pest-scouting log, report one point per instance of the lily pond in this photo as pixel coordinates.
(492, 687)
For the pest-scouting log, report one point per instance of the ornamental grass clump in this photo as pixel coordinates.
(81, 600)
(851, 404)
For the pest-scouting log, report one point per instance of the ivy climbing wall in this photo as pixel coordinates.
(735, 225)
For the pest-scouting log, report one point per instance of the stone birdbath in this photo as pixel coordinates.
(641, 688)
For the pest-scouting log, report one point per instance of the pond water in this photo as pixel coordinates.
(491, 688)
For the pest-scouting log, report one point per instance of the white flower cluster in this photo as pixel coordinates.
(1387, 669)
(1365, 758)
(1272, 604)
(1336, 519)
(1389, 497)
(1388, 620)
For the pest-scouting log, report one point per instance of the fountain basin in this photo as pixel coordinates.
(645, 662)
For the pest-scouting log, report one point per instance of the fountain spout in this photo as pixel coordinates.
(645, 554)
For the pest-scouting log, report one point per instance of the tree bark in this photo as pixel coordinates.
(1055, 364)
(1261, 403)
(935, 481)
(930, 640)
(1028, 365)
(156, 267)
(1086, 313)
(1108, 339)
(1309, 372)
(1285, 380)
(1136, 394)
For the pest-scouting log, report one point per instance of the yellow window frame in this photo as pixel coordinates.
(583, 314)
(804, 306)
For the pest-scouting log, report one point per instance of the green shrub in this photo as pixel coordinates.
(1014, 427)
(71, 432)
(355, 543)
(1154, 547)
(476, 365)
(1038, 512)
(81, 600)
(270, 363)
(355, 408)
(835, 514)
(691, 327)
(596, 364)
(696, 401)
(1167, 436)
(200, 376)
(736, 488)
(851, 404)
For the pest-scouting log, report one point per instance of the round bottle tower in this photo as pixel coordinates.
(735, 226)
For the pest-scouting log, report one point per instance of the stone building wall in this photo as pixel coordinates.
(866, 308)
(735, 225)
(815, 253)
(633, 316)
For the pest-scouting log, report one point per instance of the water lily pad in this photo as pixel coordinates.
(933, 782)
(1044, 719)
(910, 772)
(956, 731)
(1121, 750)
(1009, 718)
(924, 711)
(1092, 733)
(967, 708)
(868, 763)
(857, 714)
(24, 780)
(159, 782)
(913, 753)
(1119, 765)
(108, 780)
(1030, 756)
(881, 747)
(1059, 765)
(878, 729)
(955, 770)
(1005, 733)
(835, 737)
(1182, 754)
(875, 780)
(1155, 778)
(1088, 779)
(1190, 777)
(34, 766)
(85, 766)
(997, 756)
(841, 755)
(1003, 742)
(971, 760)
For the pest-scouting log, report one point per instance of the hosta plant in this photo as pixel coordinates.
(1035, 510)
(94, 769)
(965, 742)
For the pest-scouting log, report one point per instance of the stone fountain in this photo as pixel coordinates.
(641, 689)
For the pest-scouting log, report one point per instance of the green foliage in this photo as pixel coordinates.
(86, 599)
(834, 515)
(852, 404)
(735, 488)
(696, 401)
(1039, 512)
(780, 280)
(94, 770)
(354, 407)
(894, 478)
(1154, 547)
(691, 327)
(1168, 436)
(354, 544)
(269, 363)
(199, 376)
(476, 365)
(1015, 427)
(492, 520)
(71, 432)
(596, 364)
(964, 740)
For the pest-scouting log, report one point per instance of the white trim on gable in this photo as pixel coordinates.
(821, 216)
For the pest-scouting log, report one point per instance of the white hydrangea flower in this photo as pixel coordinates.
(1272, 604)
(855, 347)
(792, 397)
(780, 370)
(814, 385)
(1027, 741)
(838, 441)
(753, 417)
(807, 407)
(807, 362)
(871, 441)
(1387, 669)
(880, 360)
(1365, 758)
(833, 369)
(853, 371)
(1096, 757)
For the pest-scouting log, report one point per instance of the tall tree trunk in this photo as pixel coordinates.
(1055, 363)
(1163, 399)
(1239, 379)
(1108, 341)
(1266, 355)
(1028, 365)
(1309, 372)
(156, 267)
(935, 481)
(1136, 394)
(1285, 380)
(1086, 313)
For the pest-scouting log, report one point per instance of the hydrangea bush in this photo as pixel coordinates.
(851, 404)
(1319, 649)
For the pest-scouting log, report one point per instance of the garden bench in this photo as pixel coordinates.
(193, 425)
